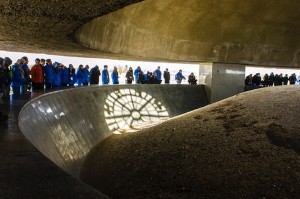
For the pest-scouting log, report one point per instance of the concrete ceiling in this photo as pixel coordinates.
(260, 32)
(47, 26)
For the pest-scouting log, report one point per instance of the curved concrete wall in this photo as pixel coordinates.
(249, 31)
(65, 125)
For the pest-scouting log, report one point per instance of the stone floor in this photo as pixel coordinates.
(24, 171)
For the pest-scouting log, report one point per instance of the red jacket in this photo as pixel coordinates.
(37, 75)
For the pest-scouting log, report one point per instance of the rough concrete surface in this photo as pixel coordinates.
(234, 31)
(229, 31)
(246, 146)
(47, 26)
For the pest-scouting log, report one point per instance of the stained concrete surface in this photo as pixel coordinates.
(24, 171)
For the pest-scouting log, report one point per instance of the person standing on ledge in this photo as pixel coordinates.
(115, 76)
(64, 76)
(192, 79)
(158, 75)
(105, 75)
(179, 77)
(80, 75)
(129, 76)
(49, 74)
(136, 73)
(167, 76)
(86, 72)
(95, 73)
(71, 76)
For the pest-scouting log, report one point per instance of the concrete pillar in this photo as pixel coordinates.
(221, 80)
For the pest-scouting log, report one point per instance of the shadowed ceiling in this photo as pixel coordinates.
(260, 32)
(47, 26)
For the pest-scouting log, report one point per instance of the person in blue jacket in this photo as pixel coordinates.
(136, 73)
(57, 75)
(115, 76)
(65, 76)
(179, 77)
(158, 75)
(80, 75)
(71, 76)
(146, 77)
(18, 78)
(86, 79)
(49, 74)
(105, 75)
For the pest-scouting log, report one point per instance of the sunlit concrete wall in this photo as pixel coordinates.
(65, 125)
(222, 80)
(147, 29)
(249, 32)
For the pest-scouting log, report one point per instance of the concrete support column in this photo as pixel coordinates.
(221, 80)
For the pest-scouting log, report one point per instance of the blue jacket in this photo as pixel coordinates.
(115, 77)
(26, 71)
(179, 76)
(49, 74)
(71, 76)
(146, 78)
(17, 79)
(105, 76)
(80, 76)
(136, 73)
(158, 74)
(86, 76)
(65, 76)
(57, 77)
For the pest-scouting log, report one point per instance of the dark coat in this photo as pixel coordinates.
(167, 76)
(94, 75)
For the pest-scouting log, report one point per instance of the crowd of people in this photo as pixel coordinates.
(47, 75)
(271, 79)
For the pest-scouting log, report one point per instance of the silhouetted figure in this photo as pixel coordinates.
(292, 79)
(94, 75)
(129, 76)
(167, 76)
(256, 80)
(141, 78)
(285, 79)
(192, 79)
(248, 80)
(265, 81)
